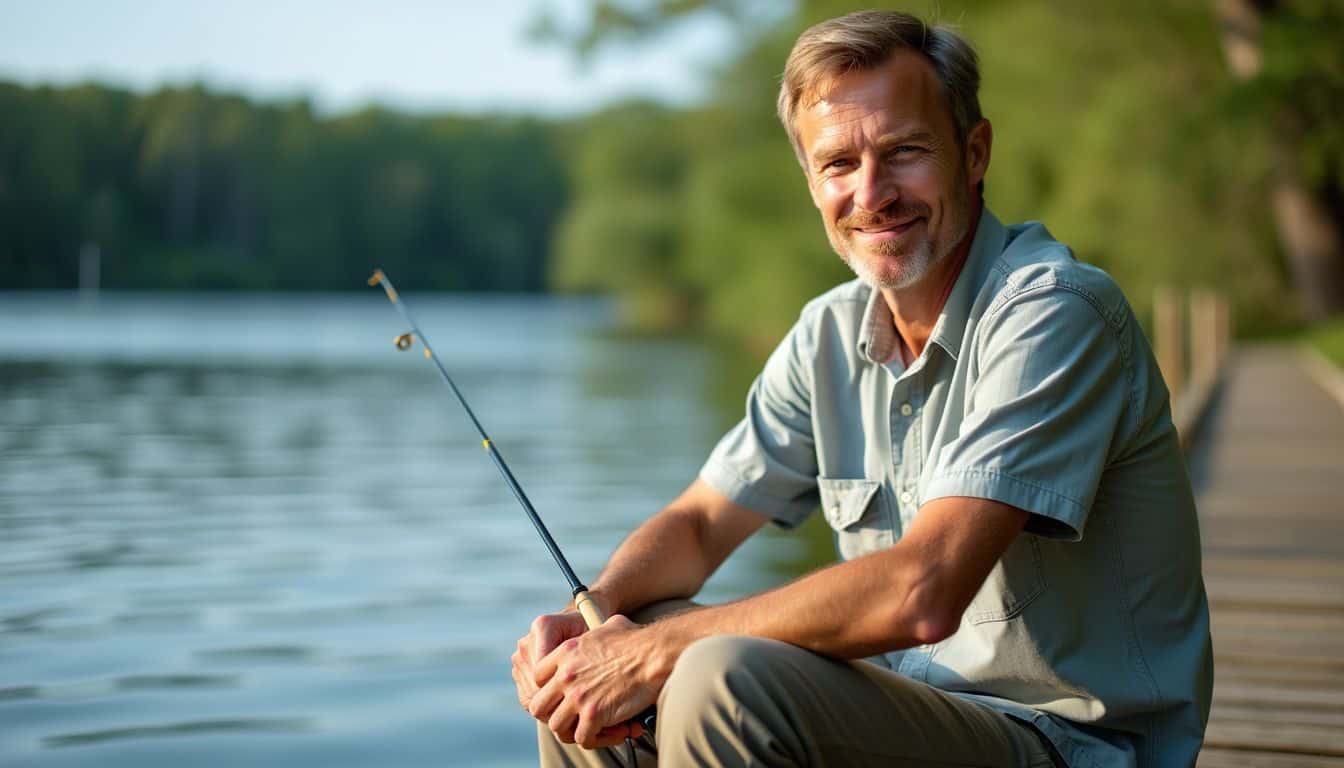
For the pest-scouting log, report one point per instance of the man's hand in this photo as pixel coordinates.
(594, 683)
(548, 631)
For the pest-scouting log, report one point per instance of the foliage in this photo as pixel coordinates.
(1109, 125)
(1300, 88)
(184, 188)
(1329, 339)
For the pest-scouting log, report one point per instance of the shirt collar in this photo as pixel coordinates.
(877, 335)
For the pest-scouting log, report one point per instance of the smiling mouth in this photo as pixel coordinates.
(893, 227)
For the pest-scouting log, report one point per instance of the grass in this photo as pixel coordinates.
(1329, 339)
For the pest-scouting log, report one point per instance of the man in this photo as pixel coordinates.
(984, 427)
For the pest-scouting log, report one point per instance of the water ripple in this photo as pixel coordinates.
(192, 727)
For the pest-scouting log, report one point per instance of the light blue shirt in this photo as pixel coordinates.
(1037, 389)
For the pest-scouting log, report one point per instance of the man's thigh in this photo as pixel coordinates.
(748, 701)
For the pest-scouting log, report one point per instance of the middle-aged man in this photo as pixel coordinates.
(983, 425)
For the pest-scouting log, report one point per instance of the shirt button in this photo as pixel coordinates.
(907, 497)
(906, 410)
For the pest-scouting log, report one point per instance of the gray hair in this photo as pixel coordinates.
(866, 40)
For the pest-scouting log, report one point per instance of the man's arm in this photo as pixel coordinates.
(910, 594)
(674, 552)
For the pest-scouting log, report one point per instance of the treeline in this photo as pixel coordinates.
(1117, 124)
(1165, 143)
(188, 189)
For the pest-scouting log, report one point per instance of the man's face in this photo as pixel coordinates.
(895, 190)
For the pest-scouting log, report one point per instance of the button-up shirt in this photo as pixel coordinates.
(1036, 389)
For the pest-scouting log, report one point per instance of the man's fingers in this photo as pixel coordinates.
(544, 670)
(548, 636)
(526, 690)
(546, 700)
(551, 630)
(585, 733)
(562, 722)
(615, 734)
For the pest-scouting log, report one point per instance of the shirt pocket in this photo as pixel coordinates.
(854, 509)
(1016, 580)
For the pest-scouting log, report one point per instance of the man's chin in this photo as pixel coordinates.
(889, 271)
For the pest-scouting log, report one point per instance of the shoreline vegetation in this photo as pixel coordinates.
(190, 189)
(1126, 132)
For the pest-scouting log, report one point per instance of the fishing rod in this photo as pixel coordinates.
(592, 615)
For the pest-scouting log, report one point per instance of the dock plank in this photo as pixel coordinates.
(1271, 504)
(1238, 758)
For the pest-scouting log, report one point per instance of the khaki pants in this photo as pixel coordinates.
(734, 701)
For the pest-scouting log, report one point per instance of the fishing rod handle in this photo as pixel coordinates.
(592, 615)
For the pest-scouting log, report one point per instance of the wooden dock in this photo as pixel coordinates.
(1269, 471)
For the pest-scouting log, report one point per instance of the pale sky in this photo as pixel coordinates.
(470, 55)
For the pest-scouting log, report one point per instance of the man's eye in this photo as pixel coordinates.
(839, 164)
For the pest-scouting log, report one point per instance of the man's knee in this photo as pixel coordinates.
(725, 667)
(728, 701)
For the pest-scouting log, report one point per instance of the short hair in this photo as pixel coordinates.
(866, 40)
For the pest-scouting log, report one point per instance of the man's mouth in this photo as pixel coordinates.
(891, 227)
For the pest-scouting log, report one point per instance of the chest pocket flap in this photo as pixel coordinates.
(843, 502)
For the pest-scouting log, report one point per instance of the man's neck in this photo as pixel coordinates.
(915, 310)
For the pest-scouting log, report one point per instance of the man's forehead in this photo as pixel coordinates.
(902, 95)
(906, 74)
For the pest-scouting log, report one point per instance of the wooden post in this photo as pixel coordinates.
(1169, 341)
(1204, 342)
(1223, 321)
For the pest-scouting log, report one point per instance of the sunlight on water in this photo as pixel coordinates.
(246, 531)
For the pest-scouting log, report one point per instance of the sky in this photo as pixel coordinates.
(452, 55)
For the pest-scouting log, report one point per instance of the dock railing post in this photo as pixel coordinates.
(1169, 341)
(1191, 351)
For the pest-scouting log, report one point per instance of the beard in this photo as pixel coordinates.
(894, 265)
(905, 266)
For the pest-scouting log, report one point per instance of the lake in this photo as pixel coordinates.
(245, 530)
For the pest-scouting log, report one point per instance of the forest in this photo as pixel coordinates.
(188, 189)
(1187, 144)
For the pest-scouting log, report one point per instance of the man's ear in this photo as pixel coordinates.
(978, 144)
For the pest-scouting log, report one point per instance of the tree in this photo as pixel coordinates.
(1106, 127)
(1289, 57)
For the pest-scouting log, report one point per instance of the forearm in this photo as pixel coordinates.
(849, 610)
(911, 594)
(672, 554)
(660, 560)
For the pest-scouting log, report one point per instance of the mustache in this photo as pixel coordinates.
(886, 217)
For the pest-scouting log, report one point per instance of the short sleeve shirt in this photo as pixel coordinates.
(1037, 389)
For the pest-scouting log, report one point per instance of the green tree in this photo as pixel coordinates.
(1289, 60)
(1109, 126)
(186, 188)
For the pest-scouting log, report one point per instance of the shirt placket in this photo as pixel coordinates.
(907, 404)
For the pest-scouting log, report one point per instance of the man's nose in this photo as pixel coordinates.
(877, 187)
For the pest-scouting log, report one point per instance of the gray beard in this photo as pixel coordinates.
(918, 263)
(912, 270)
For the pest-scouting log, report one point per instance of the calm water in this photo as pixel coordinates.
(248, 531)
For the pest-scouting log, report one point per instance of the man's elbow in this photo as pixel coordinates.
(929, 613)
(928, 630)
